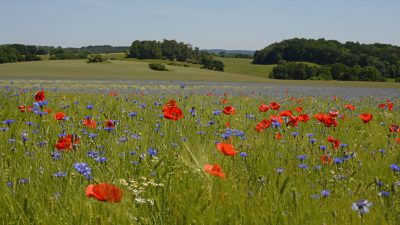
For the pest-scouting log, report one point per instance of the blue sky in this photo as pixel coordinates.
(228, 24)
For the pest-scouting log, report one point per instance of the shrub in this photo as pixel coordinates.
(157, 66)
(96, 59)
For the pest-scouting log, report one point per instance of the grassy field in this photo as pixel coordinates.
(159, 164)
(237, 70)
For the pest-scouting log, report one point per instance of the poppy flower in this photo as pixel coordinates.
(226, 149)
(104, 192)
(22, 108)
(366, 117)
(263, 108)
(261, 126)
(382, 105)
(298, 109)
(397, 140)
(333, 113)
(48, 110)
(214, 170)
(274, 106)
(335, 142)
(293, 121)
(68, 142)
(113, 93)
(227, 124)
(170, 104)
(303, 118)
(110, 124)
(326, 159)
(173, 113)
(89, 123)
(390, 106)
(224, 101)
(394, 128)
(229, 110)
(286, 113)
(278, 136)
(350, 106)
(39, 96)
(59, 116)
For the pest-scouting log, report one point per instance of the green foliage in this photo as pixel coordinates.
(157, 66)
(174, 51)
(97, 58)
(301, 71)
(385, 58)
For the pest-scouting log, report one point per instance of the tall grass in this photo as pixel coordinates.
(175, 188)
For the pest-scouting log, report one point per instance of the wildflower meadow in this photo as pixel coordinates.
(182, 157)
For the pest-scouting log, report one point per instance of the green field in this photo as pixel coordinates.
(237, 70)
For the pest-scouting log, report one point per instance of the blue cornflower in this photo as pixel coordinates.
(92, 154)
(249, 116)
(343, 145)
(90, 107)
(303, 166)
(325, 193)
(84, 169)
(152, 152)
(183, 85)
(132, 114)
(243, 154)
(313, 140)
(8, 122)
(395, 168)
(92, 136)
(11, 140)
(338, 160)
(201, 132)
(322, 147)
(362, 206)
(279, 170)
(384, 194)
(60, 174)
(217, 112)
(193, 111)
(29, 123)
(10, 184)
(310, 135)
(275, 124)
(101, 159)
(4, 128)
(295, 134)
(56, 155)
(302, 157)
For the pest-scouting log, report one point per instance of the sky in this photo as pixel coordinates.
(207, 24)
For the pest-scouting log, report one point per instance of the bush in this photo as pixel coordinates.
(157, 66)
(96, 59)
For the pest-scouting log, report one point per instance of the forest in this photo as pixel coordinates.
(372, 62)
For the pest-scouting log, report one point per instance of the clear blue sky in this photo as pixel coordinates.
(228, 24)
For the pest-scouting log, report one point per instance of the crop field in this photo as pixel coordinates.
(171, 153)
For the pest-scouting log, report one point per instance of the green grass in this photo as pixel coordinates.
(237, 70)
(252, 192)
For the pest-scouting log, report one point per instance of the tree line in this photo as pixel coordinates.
(334, 55)
(18, 53)
(173, 51)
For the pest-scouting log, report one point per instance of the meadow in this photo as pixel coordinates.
(282, 159)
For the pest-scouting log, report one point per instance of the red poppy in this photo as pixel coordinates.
(214, 170)
(22, 108)
(173, 113)
(274, 106)
(394, 128)
(333, 113)
(39, 96)
(293, 121)
(326, 119)
(227, 124)
(263, 125)
(350, 106)
(89, 123)
(110, 124)
(226, 149)
(113, 93)
(286, 113)
(170, 104)
(104, 192)
(67, 143)
(304, 118)
(278, 136)
(321, 117)
(229, 110)
(48, 110)
(397, 140)
(335, 142)
(263, 108)
(366, 117)
(382, 105)
(390, 106)
(59, 116)
(326, 159)
(298, 109)
(224, 101)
